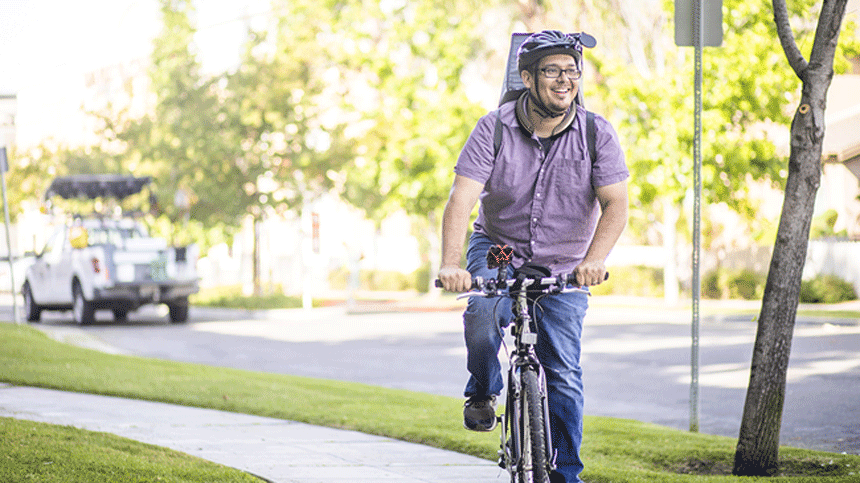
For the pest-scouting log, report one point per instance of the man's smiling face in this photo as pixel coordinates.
(556, 94)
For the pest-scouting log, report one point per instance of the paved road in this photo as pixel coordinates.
(636, 359)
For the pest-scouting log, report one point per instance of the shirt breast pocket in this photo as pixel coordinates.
(571, 175)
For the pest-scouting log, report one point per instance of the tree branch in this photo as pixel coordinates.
(786, 38)
(827, 32)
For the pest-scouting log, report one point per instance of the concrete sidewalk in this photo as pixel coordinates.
(275, 450)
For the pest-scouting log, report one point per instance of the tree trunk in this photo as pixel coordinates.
(758, 444)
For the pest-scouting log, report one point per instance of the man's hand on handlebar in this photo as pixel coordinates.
(590, 273)
(455, 279)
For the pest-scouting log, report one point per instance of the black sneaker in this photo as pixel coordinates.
(479, 413)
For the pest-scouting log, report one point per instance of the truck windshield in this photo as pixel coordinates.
(112, 235)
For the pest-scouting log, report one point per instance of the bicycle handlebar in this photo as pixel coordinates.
(563, 283)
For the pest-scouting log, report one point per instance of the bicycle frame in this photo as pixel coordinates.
(523, 355)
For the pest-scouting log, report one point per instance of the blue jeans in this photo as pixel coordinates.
(558, 348)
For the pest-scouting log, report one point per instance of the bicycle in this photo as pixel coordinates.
(528, 453)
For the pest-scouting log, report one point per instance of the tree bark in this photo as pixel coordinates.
(757, 452)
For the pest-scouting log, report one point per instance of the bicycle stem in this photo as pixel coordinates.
(526, 335)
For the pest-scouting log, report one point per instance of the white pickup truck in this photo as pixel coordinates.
(98, 262)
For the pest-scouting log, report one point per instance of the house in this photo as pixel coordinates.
(840, 181)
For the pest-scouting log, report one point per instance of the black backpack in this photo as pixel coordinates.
(512, 89)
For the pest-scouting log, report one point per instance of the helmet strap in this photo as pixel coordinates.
(536, 104)
(525, 104)
(540, 108)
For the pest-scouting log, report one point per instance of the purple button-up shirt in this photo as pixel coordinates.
(540, 203)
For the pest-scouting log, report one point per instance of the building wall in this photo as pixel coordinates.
(840, 191)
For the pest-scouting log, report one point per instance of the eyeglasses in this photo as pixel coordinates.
(553, 72)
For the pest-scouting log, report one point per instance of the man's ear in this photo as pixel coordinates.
(527, 78)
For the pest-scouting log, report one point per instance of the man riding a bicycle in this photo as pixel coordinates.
(542, 195)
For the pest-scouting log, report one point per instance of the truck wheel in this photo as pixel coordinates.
(82, 309)
(178, 311)
(31, 309)
(120, 315)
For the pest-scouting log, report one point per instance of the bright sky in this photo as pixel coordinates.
(44, 38)
(46, 46)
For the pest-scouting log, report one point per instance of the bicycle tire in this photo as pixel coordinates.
(533, 467)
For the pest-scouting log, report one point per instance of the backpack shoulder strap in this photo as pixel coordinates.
(591, 136)
(497, 133)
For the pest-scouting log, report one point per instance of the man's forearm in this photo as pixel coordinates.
(609, 228)
(455, 220)
(610, 225)
(454, 227)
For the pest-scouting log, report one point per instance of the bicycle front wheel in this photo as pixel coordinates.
(533, 467)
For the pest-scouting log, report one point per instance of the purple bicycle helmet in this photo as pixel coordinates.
(550, 42)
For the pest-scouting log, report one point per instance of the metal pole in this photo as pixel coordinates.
(3, 169)
(698, 39)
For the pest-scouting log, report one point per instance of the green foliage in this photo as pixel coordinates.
(650, 101)
(34, 168)
(407, 92)
(186, 145)
(733, 284)
(637, 281)
(823, 226)
(378, 280)
(849, 44)
(190, 231)
(362, 97)
(182, 141)
(826, 289)
(281, 106)
(422, 278)
(233, 297)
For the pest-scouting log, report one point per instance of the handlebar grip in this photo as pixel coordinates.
(438, 284)
(571, 279)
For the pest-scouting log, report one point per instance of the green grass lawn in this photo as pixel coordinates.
(31, 451)
(614, 450)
